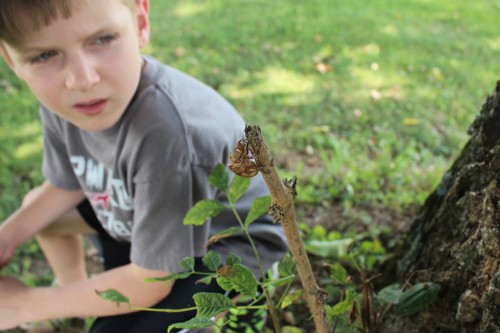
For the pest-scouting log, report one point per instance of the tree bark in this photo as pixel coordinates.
(455, 239)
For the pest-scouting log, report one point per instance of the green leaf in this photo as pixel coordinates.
(332, 248)
(239, 278)
(196, 322)
(232, 259)
(170, 278)
(390, 294)
(416, 298)
(224, 234)
(318, 232)
(212, 261)
(291, 329)
(291, 298)
(203, 210)
(237, 188)
(345, 305)
(187, 263)
(259, 207)
(210, 304)
(280, 281)
(339, 273)
(286, 265)
(205, 280)
(113, 295)
(219, 178)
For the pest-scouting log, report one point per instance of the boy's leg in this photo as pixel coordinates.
(62, 244)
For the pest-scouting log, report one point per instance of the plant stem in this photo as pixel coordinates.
(269, 299)
(284, 294)
(247, 234)
(245, 307)
(163, 310)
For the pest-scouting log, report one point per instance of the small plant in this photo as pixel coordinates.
(231, 275)
(350, 261)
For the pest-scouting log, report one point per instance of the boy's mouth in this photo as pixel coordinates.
(91, 108)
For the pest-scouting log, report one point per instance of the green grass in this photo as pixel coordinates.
(401, 82)
(367, 102)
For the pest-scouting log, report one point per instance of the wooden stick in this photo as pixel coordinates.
(282, 210)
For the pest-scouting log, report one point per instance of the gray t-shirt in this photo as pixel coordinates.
(144, 174)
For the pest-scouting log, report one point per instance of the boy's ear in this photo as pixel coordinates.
(5, 55)
(7, 58)
(142, 21)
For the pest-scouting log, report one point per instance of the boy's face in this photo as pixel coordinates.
(85, 68)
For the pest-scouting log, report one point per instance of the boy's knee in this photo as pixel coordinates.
(50, 230)
(28, 199)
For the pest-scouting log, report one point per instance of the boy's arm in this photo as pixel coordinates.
(48, 205)
(20, 304)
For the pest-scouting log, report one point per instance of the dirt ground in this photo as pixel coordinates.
(360, 219)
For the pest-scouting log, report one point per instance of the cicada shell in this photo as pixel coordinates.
(241, 162)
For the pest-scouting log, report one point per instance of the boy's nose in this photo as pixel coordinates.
(81, 75)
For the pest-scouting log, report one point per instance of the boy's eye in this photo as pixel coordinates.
(104, 39)
(44, 56)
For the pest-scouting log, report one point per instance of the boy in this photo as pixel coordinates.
(130, 143)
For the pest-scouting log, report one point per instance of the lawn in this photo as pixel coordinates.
(367, 102)
(364, 101)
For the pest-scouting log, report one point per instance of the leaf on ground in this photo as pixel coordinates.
(390, 294)
(291, 329)
(416, 298)
(332, 248)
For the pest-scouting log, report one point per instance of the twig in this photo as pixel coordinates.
(282, 210)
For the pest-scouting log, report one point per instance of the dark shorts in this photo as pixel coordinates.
(115, 254)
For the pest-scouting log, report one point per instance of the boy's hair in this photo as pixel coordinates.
(20, 16)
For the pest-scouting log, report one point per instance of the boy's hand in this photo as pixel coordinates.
(12, 297)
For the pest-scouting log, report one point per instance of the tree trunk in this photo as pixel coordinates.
(455, 239)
